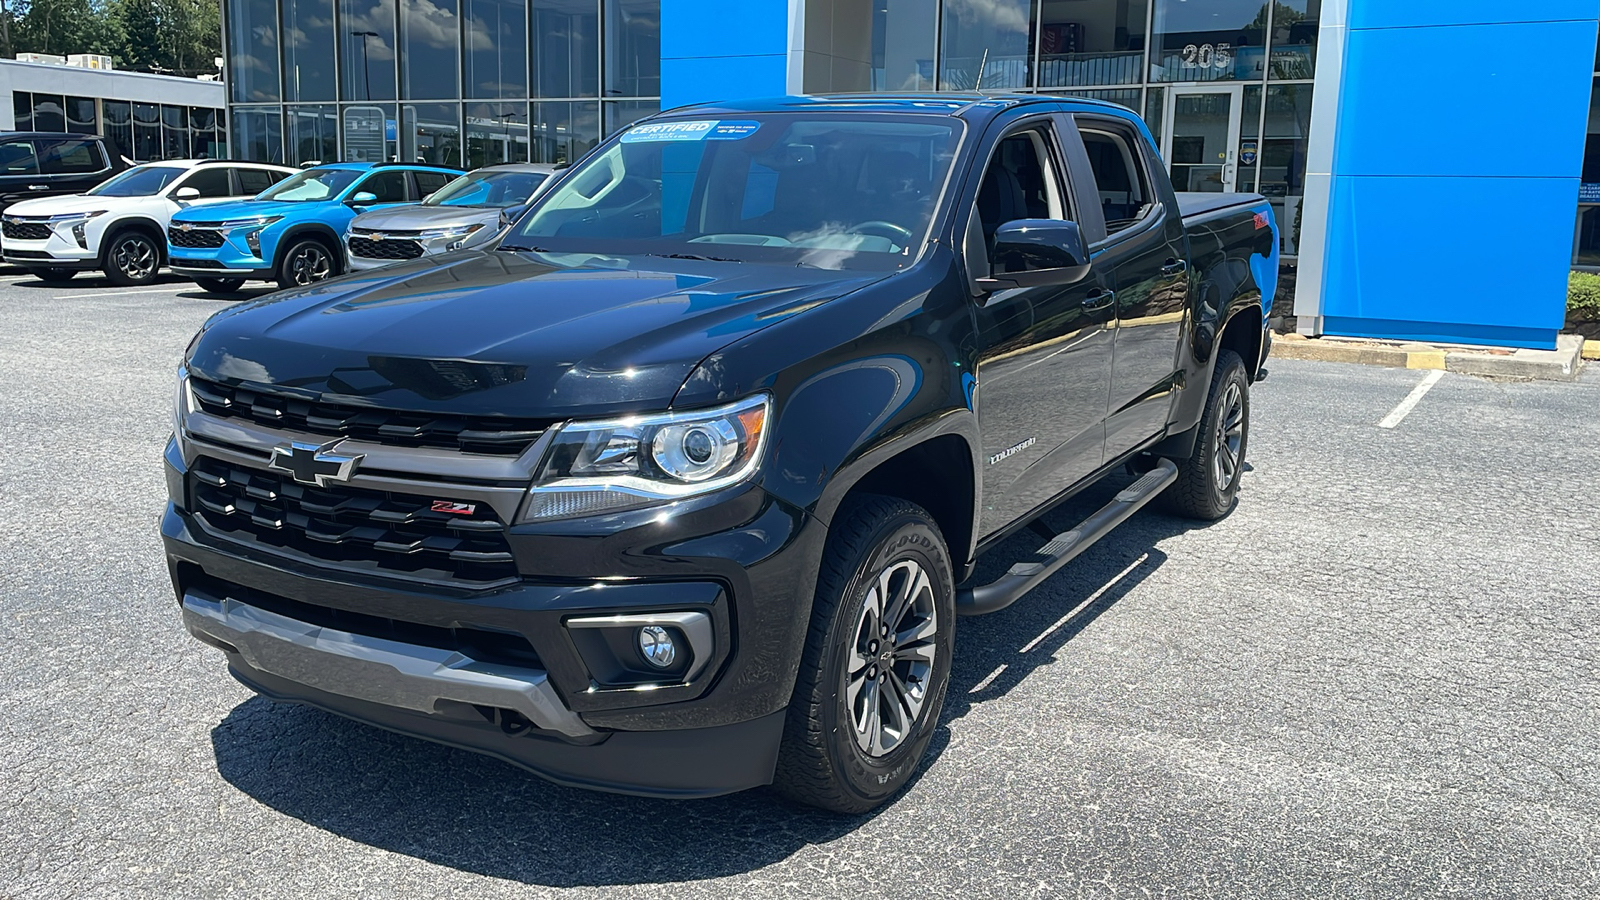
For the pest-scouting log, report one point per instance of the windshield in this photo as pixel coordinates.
(311, 185)
(497, 189)
(833, 192)
(139, 181)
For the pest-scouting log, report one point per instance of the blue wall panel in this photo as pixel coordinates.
(1486, 112)
(723, 50)
(1422, 13)
(1456, 157)
(1418, 255)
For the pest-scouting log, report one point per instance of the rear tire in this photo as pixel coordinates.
(53, 276)
(1208, 481)
(219, 285)
(307, 261)
(132, 258)
(874, 674)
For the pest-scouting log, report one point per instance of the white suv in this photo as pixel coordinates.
(120, 225)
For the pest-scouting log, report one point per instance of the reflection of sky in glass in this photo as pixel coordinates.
(1210, 15)
(430, 60)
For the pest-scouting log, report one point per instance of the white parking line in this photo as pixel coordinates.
(1399, 413)
(125, 293)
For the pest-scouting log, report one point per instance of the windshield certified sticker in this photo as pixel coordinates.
(698, 130)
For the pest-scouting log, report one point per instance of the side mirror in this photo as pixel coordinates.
(1036, 253)
(186, 193)
(363, 197)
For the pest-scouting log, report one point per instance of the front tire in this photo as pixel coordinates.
(219, 285)
(877, 660)
(308, 261)
(132, 259)
(1208, 481)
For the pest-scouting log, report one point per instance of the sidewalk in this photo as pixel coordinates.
(1560, 364)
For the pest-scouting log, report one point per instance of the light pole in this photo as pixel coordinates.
(366, 70)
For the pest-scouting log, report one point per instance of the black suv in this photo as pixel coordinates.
(45, 163)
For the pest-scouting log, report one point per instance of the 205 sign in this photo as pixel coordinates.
(1208, 56)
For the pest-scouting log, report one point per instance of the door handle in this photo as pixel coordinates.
(38, 187)
(1175, 267)
(1099, 299)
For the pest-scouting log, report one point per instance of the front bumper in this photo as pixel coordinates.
(55, 252)
(233, 259)
(192, 271)
(401, 655)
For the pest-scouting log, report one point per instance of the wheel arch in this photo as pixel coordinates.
(148, 226)
(322, 233)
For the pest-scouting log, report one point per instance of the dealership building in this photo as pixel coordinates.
(1377, 128)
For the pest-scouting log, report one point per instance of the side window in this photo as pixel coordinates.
(388, 186)
(210, 181)
(70, 157)
(18, 158)
(1119, 176)
(254, 181)
(1021, 182)
(428, 182)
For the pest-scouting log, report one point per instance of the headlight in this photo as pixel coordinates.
(252, 222)
(75, 218)
(459, 231)
(617, 464)
(180, 402)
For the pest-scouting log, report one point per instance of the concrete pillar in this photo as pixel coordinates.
(1447, 144)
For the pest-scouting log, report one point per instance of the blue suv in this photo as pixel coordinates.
(293, 232)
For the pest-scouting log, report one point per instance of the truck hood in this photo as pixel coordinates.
(61, 205)
(245, 209)
(417, 218)
(504, 333)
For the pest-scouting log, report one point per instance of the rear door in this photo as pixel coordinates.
(1142, 252)
(1044, 353)
(429, 183)
(213, 183)
(252, 180)
(70, 166)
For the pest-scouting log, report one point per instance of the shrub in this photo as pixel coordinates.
(1583, 296)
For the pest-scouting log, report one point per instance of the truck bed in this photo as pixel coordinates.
(1197, 204)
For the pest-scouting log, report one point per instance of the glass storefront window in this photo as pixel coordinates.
(985, 44)
(175, 132)
(1215, 40)
(633, 48)
(81, 118)
(49, 113)
(565, 41)
(308, 50)
(312, 133)
(147, 132)
(366, 50)
(562, 132)
(1154, 109)
(119, 125)
(22, 110)
(1280, 169)
(1094, 42)
(1294, 39)
(496, 39)
(257, 134)
(430, 50)
(252, 51)
(622, 113)
(1587, 251)
(903, 44)
(1132, 98)
(496, 133)
(431, 133)
(370, 132)
(203, 132)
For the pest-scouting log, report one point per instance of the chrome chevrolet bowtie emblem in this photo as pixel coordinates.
(185, 226)
(376, 236)
(314, 464)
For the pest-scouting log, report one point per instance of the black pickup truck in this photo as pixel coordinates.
(679, 486)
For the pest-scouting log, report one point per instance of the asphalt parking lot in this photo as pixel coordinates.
(1379, 677)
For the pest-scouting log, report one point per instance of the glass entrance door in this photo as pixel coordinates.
(1201, 137)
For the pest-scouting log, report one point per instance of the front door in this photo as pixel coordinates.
(1201, 137)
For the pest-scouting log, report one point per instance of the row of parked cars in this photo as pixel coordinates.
(221, 223)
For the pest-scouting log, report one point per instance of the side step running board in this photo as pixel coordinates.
(1063, 548)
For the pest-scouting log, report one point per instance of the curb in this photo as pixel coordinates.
(1561, 364)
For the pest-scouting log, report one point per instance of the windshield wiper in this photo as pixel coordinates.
(519, 248)
(695, 256)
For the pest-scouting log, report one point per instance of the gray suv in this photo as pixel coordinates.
(467, 212)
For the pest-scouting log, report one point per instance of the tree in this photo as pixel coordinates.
(1283, 15)
(179, 36)
(65, 26)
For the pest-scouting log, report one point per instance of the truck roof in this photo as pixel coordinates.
(966, 104)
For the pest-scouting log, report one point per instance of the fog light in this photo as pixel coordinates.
(253, 239)
(656, 646)
(79, 236)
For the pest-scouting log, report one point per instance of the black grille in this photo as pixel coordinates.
(24, 231)
(28, 254)
(394, 248)
(501, 437)
(377, 531)
(200, 264)
(481, 644)
(200, 239)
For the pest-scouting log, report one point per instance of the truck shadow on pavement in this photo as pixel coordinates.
(477, 814)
